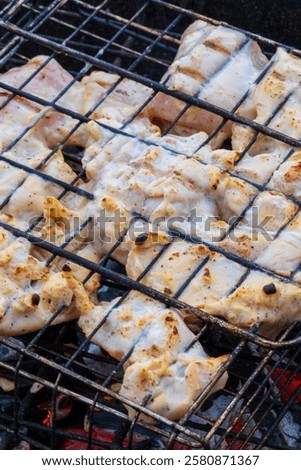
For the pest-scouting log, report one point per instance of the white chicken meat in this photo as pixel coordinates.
(153, 372)
(171, 190)
(276, 101)
(219, 284)
(31, 292)
(215, 64)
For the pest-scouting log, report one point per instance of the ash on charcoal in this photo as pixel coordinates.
(217, 408)
(202, 421)
(290, 430)
(108, 291)
(285, 434)
(98, 361)
(97, 364)
(8, 354)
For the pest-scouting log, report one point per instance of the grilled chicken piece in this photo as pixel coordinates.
(269, 213)
(216, 64)
(287, 178)
(276, 95)
(167, 377)
(171, 190)
(28, 131)
(27, 202)
(120, 98)
(283, 255)
(60, 220)
(44, 78)
(262, 298)
(35, 204)
(31, 292)
(47, 80)
(150, 134)
(213, 275)
(164, 276)
(221, 286)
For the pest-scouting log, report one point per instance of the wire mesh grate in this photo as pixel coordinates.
(55, 366)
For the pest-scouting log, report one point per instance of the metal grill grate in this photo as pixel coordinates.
(84, 36)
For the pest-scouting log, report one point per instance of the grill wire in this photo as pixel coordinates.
(56, 361)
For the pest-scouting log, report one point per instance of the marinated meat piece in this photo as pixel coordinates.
(216, 64)
(47, 80)
(154, 372)
(118, 105)
(31, 292)
(221, 286)
(130, 176)
(269, 213)
(277, 95)
(287, 178)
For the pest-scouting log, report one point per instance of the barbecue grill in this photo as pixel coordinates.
(61, 389)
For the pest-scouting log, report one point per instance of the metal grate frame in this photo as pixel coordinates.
(84, 36)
